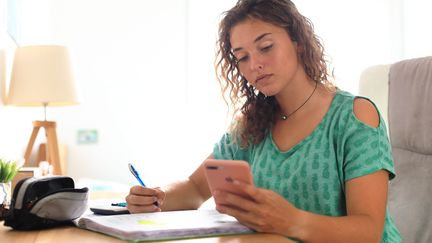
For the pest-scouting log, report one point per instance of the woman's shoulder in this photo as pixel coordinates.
(351, 108)
(344, 96)
(342, 103)
(346, 100)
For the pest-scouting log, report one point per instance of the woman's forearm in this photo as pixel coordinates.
(311, 227)
(182, 195)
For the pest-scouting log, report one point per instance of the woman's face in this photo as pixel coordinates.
(266, 55)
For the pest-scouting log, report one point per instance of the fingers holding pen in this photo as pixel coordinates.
(144, 199)
(160, 194)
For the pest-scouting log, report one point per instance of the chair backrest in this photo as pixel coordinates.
(409, 109)
(374, 84)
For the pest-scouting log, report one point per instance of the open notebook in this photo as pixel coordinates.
(164, 225)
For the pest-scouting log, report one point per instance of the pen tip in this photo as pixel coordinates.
(131, 168)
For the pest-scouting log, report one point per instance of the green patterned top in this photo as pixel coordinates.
(312, 174)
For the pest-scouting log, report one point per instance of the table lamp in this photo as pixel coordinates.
(42, 76)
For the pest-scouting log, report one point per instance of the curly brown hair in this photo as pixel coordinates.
(258, 111)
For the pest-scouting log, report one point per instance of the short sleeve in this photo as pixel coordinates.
(226, 148)
(366, 149)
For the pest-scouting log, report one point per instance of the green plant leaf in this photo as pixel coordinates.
(13, 171)
(3, 165)
(8, 170)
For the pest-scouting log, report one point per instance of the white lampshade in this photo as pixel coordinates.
(42, 75)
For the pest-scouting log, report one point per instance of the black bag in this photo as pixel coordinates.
(45, 202)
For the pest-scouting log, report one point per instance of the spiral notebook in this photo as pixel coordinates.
(164, 225)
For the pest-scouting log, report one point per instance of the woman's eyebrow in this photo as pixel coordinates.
(255, 41)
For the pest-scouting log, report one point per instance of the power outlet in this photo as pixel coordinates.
(87, 136)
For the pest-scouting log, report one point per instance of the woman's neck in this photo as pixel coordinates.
(296, 96)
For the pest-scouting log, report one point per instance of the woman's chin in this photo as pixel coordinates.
(268, 92)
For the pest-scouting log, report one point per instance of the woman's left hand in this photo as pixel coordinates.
(263, 211)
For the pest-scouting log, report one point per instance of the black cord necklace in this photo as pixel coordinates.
(284, 117)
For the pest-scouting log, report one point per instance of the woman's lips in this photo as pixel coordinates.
(263, 78)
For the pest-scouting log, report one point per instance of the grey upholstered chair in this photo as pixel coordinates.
(408, 84)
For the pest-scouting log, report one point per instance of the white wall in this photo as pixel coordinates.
(417, 36)
(144, 70)
(356, 34)
(130, 64)
(147, 85)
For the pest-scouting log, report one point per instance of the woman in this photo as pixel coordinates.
(320, 156)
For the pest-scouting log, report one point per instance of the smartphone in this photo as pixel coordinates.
(220, 173)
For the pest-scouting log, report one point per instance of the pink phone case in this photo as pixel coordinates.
(220, 173)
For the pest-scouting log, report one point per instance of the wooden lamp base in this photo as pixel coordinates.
(52, 145)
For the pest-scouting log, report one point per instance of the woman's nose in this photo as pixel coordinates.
(256, 63)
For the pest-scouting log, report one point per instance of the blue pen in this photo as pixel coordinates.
(135, 173)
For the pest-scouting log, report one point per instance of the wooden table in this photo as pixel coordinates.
(73, 234)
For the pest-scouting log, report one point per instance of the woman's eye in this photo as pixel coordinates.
(242, 59)
(267, 48)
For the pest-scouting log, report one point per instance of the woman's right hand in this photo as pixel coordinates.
(145, 200)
